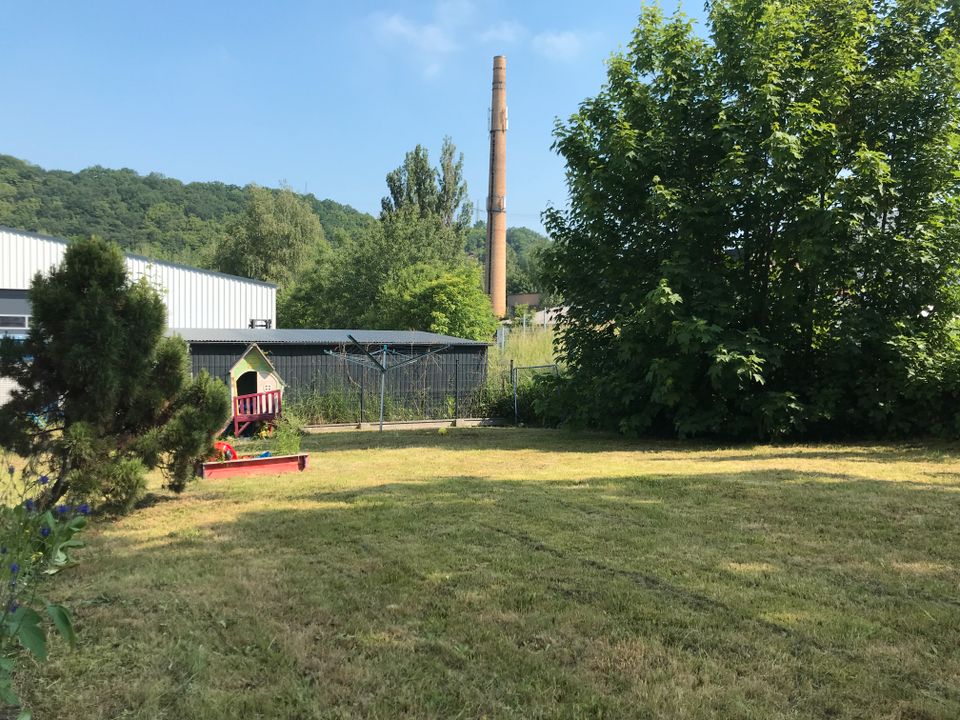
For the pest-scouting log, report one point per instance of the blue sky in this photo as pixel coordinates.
(325, 96)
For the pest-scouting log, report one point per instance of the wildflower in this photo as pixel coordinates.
(63, 509)
(12, 607)
(11, 470)
(84, 509)
(14, 568)
(44, 532)
(43, 480)
(29, 505)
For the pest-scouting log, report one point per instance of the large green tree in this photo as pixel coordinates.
(763, 229)
(277, 236)
(440, 192)
(424, 223)
(103, 395)
(345, 289)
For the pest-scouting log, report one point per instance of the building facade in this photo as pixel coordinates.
(194, 298)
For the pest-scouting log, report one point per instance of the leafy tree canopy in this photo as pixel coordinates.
(763, 230)
(346, 288)
(277, 235)
(103, 395)
(441, 192)
(448, 302)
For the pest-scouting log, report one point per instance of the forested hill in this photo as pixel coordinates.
(149, 214)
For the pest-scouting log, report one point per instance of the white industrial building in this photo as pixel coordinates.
(194, 298)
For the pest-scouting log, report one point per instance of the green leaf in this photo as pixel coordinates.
(25, 715)
(7, 695)
(29, 632)
(63, 622)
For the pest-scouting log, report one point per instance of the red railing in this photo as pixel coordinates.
(258, 406)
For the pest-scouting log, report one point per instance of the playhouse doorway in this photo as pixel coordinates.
(247, 383)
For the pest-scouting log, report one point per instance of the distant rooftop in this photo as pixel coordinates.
(321, 337)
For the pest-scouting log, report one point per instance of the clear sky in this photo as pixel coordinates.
(325, 96)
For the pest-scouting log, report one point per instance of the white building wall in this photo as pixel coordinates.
(6, 387)
(194, 298)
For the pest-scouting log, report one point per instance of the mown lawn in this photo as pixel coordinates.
(505, 573)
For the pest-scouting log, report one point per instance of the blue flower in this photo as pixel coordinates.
(63, 509)
(43, 480)
(12, 607)
(29, 505)
(14, 568)
(84, 509)
(44, 532)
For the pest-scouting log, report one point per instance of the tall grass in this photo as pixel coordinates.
(524, 347)
(532, 346)
(342, 405)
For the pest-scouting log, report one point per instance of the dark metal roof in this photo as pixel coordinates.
(320, 337)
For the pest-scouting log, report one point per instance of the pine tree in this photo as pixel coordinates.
(103, 395)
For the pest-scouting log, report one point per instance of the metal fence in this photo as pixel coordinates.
(347, 388)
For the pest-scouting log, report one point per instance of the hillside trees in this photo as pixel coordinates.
(103, 395)
(277, 235)
(150, 214)
(763, 233)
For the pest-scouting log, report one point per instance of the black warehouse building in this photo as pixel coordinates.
(433, 374)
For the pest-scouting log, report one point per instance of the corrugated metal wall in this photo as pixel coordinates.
(6, 387)
(194, 298)
(427, 386)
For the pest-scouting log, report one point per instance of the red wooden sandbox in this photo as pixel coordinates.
(273, 465)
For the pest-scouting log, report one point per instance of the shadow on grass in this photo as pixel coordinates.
(549, 440)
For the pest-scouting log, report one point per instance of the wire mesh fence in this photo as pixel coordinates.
(433, 387)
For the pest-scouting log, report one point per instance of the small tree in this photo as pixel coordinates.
(103, 396)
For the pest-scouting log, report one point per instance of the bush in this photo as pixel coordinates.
(287, 434)
(33, 544)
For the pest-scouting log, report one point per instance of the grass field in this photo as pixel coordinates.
(527, 574)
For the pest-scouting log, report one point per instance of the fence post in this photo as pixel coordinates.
(456, 387)
(513, 381)
(383, 383)
(362, 373)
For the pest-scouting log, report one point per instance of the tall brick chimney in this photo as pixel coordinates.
(496, 270)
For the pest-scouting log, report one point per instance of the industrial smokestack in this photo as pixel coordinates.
(496, 275)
